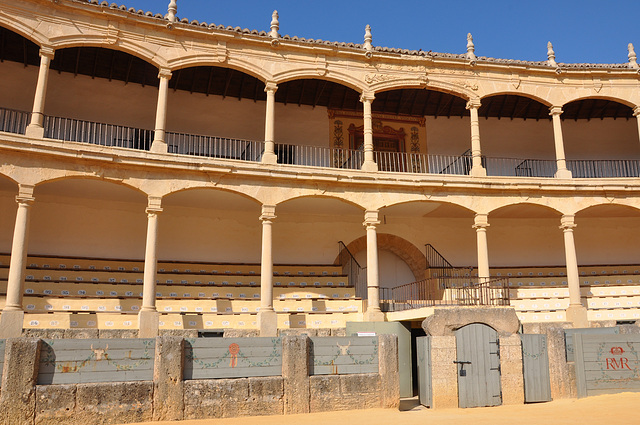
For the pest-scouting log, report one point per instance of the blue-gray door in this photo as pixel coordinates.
(535, 362)
(423, 348)
(478, 361)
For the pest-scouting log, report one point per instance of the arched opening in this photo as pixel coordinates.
(85, 98)
(19, 62)
(440, 231)
(78, 217)
(608, 235)
(209, 225)
(524, 235)
(601, 138)
(517, 136)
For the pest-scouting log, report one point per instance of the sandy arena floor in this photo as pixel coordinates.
(616, 409)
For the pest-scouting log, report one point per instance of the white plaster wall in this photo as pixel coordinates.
(87, 228)
(17, 85)
(8, 209)
(393, 271)
(611, 240)
(601, 139)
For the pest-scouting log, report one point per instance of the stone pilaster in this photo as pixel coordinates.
(168, 398)
(295, 372)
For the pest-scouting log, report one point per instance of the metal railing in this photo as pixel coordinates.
(450, 291)
(14, 121)
(603, 168)
(214, 147)
(96, 133)
(356, 273)
(514, 167)
(316, 156)
(403, 162)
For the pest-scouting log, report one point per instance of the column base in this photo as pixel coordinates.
(563, 174)
(268, 322)
(34, 131)
(11, 324)
(478, 172)
(269, 158)
(577, 314)
(159, 146)
(369, 166)
(148, 324)
(374, 316)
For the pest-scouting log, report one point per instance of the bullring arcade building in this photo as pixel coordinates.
(162, 173)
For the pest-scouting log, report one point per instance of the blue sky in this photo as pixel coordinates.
(581, 31)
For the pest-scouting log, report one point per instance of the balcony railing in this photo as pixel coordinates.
(95, 133)
(214, 147)
(13, 121)
(315, 156)
(588, 168)
(69, 129)
(449, 291)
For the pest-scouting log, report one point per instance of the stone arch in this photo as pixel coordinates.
(117, 182)
(198, 59)
(445, 321)
(531, 96)
(625, 102)
(26, 31)
(401, 247)
(312, 73)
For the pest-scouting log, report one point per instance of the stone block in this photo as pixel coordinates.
(298, 332)
(19, 375)
(295, 372)
(324, 393)
(114, 402)
(388, 370)
(361, 391)
(629, 329)
(168, 398)
(445, 321)
(240, 333)
(182, 333)
(44, 333)
(215, 398)
(117, 333)
(324, 332)
(266, 396)
(339, 332)
(511, 378)
(446, 342)
(81, 333)
(55, 404)
(445, 391)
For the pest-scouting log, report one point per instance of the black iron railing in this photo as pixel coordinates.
(214, 147)
(448, 291)
(356, 273)
(14, 121)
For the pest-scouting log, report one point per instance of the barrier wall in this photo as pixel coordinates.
(103, 381)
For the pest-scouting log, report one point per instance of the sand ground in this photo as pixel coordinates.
(613, 409)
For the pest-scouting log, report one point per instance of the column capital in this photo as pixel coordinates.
(268, 213)
(567, 223)
(25, 194)
(555, 110)
(473, 104)
(636, 111)
(480, 221)
(165, 73)
(367, 97)
(48, 52)
(270, 87)
(371, 218)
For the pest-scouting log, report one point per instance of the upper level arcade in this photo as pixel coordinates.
(186, 88)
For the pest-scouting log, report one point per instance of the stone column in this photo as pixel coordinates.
(12, 313)
(35, 127)
(159, 144)
(576, 313)
(269, 155)
(373, 314)
(148, 317)
(267, 318)
(369, 163)
(563, 172)
(477, 170)
(481, 223)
